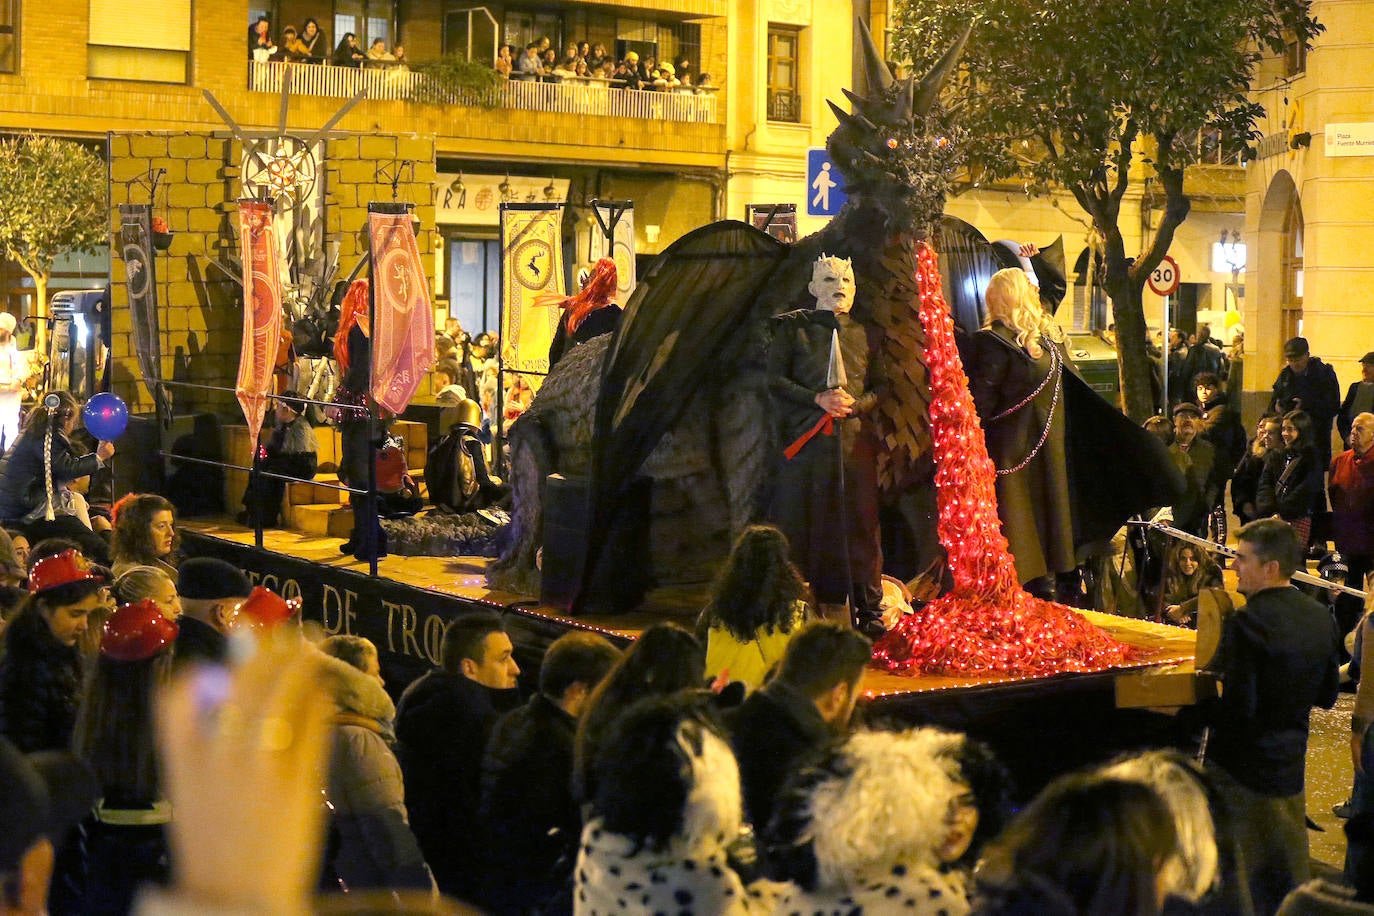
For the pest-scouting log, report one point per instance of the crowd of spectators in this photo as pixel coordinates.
(587, 62)
(309, 45)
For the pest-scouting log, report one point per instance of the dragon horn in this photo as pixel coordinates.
(904, 105)
(849, 120)
(934, 80)
(875, 68)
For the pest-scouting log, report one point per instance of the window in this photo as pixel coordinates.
(474, 282)
(1291, 269)
(145, 40)
(784, 103)
(471, 34)
(367, 19)
(1294, 56)
(9, 36)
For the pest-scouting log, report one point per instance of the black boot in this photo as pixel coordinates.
(868, 612)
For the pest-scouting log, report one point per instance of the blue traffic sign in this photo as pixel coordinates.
(824, 184)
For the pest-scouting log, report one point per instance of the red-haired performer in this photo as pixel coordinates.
(589, 313)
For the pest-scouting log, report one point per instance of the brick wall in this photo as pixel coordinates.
(200, 307)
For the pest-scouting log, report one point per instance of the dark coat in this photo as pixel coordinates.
(1034, 500)
(1221, 426)
(601, 321)
(1317, 393)
(40, 686)
(531, 820)
(1350, 407)
(773, 732)
(198, 641)
(1289, 484)
(442, 725)
(1279, 657)
(22, 487)
(1245, 485)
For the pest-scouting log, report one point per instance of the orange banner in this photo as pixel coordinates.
(403, 340)
(261, 310)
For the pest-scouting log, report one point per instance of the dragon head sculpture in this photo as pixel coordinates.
(895, 150)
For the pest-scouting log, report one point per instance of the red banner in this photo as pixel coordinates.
(403, 339)
(261, 310)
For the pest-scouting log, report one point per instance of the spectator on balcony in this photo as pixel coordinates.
(704, 84)
(584, 50)
(606, 71)
(628, 71)
(666, 79)
(402, 62)
(292, 49)
(599, 57)
(529, 66)
(314, 41)
(348, 54)
(378, 55)
(504, 60)
(260, 44)
(565, 68)
(683, 66)
(548, 60)
(647, 66)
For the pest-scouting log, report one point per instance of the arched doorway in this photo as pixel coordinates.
(1274, 284)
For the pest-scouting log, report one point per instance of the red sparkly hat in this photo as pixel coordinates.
(61, 569)
(266, 609)
(136, 632)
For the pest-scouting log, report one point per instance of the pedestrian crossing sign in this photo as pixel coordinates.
(824, 184)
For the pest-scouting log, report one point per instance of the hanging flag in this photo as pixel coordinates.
(531, 267)
(403, 335)
(622, 214)
(140, 273)
(261, 310)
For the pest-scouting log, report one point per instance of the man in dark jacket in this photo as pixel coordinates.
(807, 705)
(1359, 397)
(528, 812)
(211, 591)
(1308, 384)
(1277, 659)
(442, 725)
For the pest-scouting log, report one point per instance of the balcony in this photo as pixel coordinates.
(784, 105)
(572, 97)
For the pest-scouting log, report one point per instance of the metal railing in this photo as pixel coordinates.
(578, 96)
(784, 105)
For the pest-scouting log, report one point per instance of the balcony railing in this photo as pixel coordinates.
(784, 105)
(574, 97)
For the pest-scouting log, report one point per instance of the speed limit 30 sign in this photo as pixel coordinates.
(1164, 279)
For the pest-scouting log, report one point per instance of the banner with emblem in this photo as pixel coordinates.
(403, 337)
(261, 309)
(619, 214)
(140, 274)
(531, 267)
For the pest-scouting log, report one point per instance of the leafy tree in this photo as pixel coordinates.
(52, 201)
(1090, 95)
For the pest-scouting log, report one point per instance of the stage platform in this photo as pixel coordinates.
(1071, 717)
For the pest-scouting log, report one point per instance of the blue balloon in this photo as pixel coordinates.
(106, 415)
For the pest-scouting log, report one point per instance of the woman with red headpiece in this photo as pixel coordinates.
(590, 313)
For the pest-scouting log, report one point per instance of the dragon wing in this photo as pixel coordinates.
(687, 314)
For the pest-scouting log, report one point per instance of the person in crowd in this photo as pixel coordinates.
(260, 43)
(21, 545)
(347, 53)
(1204, 356)
(1245, 480)
(377, 54)
(37, 475)
(1088, 843)
(1221, 426)
(806, 706)
(1308, 384)
(1016, 364)
(1351, 487)
(14, 369)
(518, 398)
(704, 83)
(665, 658)
(1187, 571)
(12, 576)
(1179, 379)
(757, 605)
(548, 60)
(879, 822)
(442, 725)
(446, 390)
(313, 40)
(453, 327)
(1277, 660)
(664, 815)
(374, 846)
(530, 818)
(598, 57)
(566, 66)
(292, 49)
(145, 533)
(123, 843)
(806, 502)
(211, 591)
(1291, 482)
(444, 349)
(291, 449)
(1197, 461)
(1359, 398)
(42, 797)
(529, 66)
(402, 62)
(50, 547)
(361, 430)
(42, 666)
(504, 61)
(150, 583)
(1161, 427)
(1359, 830)
(627, 72)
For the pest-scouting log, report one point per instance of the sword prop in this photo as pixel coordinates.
(834, 378)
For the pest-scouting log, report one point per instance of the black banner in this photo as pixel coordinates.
(405, 623)
(140, 273)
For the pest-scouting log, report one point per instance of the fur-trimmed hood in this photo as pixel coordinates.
(357, 692)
